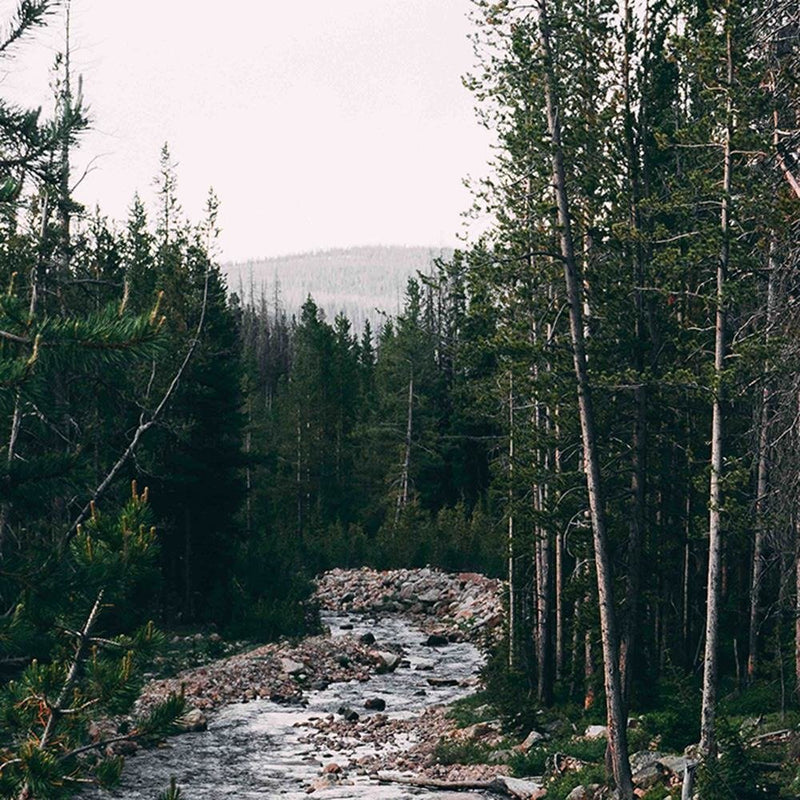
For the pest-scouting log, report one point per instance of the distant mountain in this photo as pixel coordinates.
(362, 282)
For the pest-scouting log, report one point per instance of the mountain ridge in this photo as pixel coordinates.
(364, 282)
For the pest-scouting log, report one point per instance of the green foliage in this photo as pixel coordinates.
(560, 787)
(448, 752)
(730, 775)
(172, 792)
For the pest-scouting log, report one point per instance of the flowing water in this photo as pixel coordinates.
(254, 750)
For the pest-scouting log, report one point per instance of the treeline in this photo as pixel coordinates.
(118, 356)
(637, 298)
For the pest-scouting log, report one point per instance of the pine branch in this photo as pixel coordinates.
(144, 424)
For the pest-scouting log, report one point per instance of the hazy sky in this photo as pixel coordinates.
(319, 123)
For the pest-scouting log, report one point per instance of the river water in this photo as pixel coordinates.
(254, 750)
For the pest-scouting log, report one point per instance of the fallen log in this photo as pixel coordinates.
(773, 737)
(500, 784)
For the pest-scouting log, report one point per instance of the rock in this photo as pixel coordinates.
(375, 704)
(517, 787)
(532, 739)
(346, 626)
(287, 699)
(590, 792)
(648, 776)
(193, 720)
(367, 638)
(331, 769)
(596, 732)
(424, 666)
(127, 747)
(480, 730)
(387, 662)
(292, 667)
(348, 713)
(442, 681)
(320, 685)
(430, 597)
(643, 758)
(674, 765)
(500, 756)
(436, 640)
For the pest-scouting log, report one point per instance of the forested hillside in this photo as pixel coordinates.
(363, 283)
(596, 400)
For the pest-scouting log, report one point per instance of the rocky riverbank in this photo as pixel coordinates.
(369, 704)
(448, 607)
(463, 606)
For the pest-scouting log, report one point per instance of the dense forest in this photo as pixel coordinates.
(597, 400)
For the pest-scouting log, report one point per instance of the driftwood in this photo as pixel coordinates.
(500, 784)
(773, 737)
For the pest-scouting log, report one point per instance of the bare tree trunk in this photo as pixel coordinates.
(513, 609)
(559, 577)
(762, 487)
(797, 605)
(708, 744)
(639, 437)
(402, 495)
(617, 722)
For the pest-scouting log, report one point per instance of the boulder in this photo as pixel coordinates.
(531, 740)
(648, 776)
(348, 713)
(292, 667)
(367, 638)
(596, 732)
(589, 792)
(442, 681)
(436, 640)
(387, 661)
(193, 720)
(430, 597)
(375, 704)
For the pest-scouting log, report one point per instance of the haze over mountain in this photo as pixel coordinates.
(361, 282)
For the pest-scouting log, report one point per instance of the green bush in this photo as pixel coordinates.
(560, 787)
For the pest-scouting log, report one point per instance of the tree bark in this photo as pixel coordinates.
(617, 722)
(708, 744)
(762, 487)
(402, 494)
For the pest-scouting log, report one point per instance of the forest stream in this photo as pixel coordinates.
(262, 749)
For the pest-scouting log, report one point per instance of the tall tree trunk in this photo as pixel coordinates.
(757, 574)
(513, 589)
(617, 722)
(708, 743)
(559, 569)
(639, 437)
(402, 494)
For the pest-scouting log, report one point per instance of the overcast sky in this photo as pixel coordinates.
(319, 123)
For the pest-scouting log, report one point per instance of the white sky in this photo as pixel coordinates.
(320, 123)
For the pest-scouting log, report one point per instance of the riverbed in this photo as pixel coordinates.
(261, 749)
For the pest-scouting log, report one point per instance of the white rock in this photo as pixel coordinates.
(596, 732)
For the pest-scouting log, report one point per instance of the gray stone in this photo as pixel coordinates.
(648, 776)
(596, 732)
(589, 792)
(387, 661)
(193, 720)
(292, 667)
(532, 739)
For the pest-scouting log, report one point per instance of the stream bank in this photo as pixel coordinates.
(289, 719)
